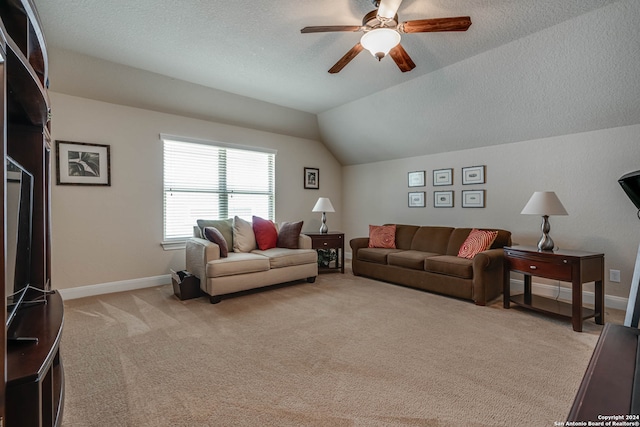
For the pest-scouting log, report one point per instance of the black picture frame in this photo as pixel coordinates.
(311, 178)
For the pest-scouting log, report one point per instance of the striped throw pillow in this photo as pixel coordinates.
(382, 236)
(476, 242)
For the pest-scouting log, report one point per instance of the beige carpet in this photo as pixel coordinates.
(344, 351)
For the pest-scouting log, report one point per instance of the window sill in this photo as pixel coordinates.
(174, 245)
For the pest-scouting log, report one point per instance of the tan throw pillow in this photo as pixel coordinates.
(289, 234)
(244, 239)
(382, 236)
(476, 242)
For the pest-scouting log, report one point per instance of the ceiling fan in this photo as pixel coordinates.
(382, 33)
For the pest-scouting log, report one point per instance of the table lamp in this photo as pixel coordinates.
(544, 203)
(323, 205)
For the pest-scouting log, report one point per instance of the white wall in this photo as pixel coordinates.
(109, 234)
(582, 169)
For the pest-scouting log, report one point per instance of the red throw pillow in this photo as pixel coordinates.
(476, 242)
(266, 233)
(382, 236)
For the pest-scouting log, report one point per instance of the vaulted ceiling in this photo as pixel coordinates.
(525, 69)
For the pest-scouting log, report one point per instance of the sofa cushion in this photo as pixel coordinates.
(476, 242)
(237, 263)
(289, 234)
(404, 235)
(377, 255)
(409, 259)
(224, 226)
(282, 257)
(431, 239)
(382, 236)
(450, 265)
(265, 231)
(244, 239)
(214, 235)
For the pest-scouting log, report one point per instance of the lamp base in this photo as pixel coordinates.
(546, 242)
(323, 228)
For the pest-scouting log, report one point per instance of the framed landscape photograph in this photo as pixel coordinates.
(81, 163)
(417, 199)
(443, 199)
(443, 177)
(473, 198)
(416, 179)
(473, 175)
(312, 178)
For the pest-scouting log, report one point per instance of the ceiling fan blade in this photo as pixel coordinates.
(330, 28)
(402, 58)
(460, 23)
(342, 62)
(388, 8)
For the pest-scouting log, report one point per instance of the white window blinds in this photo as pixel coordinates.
(209, 180)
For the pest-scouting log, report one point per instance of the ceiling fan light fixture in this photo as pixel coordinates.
(380, 41)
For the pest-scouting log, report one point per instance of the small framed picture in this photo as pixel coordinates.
(416, 179)
(473, 198)
(443, 177)
(443, 199)
(81, 163)
(312, 178)
(473, 175)
(417, 199)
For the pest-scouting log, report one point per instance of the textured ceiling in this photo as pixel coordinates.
(464, 86)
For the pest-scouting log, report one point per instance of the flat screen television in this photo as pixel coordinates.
(19, 207)
(630, 183)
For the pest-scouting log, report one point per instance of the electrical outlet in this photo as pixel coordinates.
(614, 276)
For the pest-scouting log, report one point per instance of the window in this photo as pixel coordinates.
(212, 180)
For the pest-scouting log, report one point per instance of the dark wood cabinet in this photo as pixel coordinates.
(333, 240)
(32, 386)
(610, 385)
(576, 267)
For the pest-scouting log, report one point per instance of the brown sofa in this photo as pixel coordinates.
(426, 258)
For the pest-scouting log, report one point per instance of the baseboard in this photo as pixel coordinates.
(564, 294)
(111, 287)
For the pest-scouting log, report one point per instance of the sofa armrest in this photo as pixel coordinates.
(198, 253)
(356, 244)
(487, 275)
(304, 242)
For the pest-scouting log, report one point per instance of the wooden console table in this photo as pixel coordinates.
(576, 267)
(331, 240)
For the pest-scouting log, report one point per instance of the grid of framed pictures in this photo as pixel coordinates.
(471, 175)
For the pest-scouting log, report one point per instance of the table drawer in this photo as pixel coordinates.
(550, 270)
(326, 242)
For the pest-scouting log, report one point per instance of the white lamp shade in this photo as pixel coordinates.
(323, 205)
(544, 203)
(380, 40)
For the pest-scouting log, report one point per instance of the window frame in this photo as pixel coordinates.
(172, 243)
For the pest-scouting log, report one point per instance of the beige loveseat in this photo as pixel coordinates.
(243, 269)
(427, 258)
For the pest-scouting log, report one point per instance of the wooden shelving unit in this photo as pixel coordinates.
(32, 387)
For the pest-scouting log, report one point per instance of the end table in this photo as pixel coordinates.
(576, 267)
(331, 240)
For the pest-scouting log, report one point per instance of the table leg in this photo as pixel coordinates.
(576, 305)
(599, 296)
(527, 289)
(506, 287)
